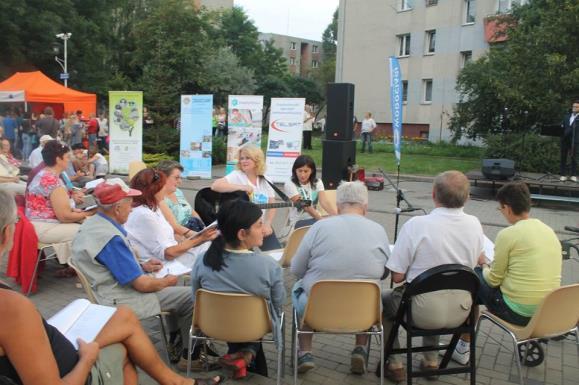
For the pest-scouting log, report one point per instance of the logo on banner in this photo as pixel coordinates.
(279, 125)
(234, 102)
(186, 100)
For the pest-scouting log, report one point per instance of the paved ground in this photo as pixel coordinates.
(494, 361)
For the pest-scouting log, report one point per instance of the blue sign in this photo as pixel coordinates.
(64, 75)
(196, 135)
(396, 104)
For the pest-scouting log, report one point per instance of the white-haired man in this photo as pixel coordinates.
(35, 157)
(345, 246)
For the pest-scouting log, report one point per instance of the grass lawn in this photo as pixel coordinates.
(417, 158)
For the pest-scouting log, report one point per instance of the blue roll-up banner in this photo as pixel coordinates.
(396, 104)
(196, 135)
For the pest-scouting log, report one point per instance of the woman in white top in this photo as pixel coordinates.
(249, 178)
(368, 125)
(148, 230)
(304, 185)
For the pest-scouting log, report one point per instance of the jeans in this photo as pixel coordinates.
(92, 141)
(492, 298)
(26, 145)
(366, 137)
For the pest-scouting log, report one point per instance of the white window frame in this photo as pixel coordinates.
(468, 6)
(405, 5)
(314, 48)
(404, 91)
(404, 42)
(425, 83)
(430, 43)
(315, 64)
(292, 61)
(509, 5)
(465, 58)
(293, 45)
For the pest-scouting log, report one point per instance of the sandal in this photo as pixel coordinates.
(67, 272)
(237, 365)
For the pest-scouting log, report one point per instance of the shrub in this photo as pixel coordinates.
(219, 152)
(151, 160)
(531, 152)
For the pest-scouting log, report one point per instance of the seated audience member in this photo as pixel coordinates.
(102, 252)
(35, 157)
(78, 170)
(10, 176)
(149, 231)
(230, 265)
(249, 178)
(304, 185)
(526, 267)
(48, 202)
(98, 167)
(175, 208)
(445, 236)
(330, 250)
(33, 352)
(7, 152)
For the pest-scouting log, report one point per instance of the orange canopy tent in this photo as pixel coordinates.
(35, 87)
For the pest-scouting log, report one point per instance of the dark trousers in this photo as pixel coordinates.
(307, 140)
(567, 148)
(270, 243)
(492, 298)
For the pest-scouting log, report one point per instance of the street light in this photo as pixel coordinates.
(63, 63)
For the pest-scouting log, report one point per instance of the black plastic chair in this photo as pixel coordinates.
(444, 277)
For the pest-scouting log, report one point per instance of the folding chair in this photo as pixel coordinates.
(341, 307)
(294, 240)
(444, 277)
(556, 315)
(234, 317)
(134, 167)
(93, 299)
(42, 248)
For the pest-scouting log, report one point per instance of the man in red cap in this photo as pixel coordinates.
(102, 252)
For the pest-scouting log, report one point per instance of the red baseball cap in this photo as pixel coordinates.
(113, 190)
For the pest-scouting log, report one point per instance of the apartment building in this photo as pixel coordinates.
(302, 55)
(433, 40)
(213, 4)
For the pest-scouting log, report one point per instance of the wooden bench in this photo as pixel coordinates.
(554, 198)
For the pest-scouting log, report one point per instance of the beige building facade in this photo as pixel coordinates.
(303, 56)
(214, 4)
(433, 40)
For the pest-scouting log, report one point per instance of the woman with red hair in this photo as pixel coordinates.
(148, 230)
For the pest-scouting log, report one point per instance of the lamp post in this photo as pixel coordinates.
(64, 63)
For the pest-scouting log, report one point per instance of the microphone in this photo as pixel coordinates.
(407, 210)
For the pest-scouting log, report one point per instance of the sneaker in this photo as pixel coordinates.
(305, 362)
(573, 179)
(358, 360)
(563, 178)
(461, 353)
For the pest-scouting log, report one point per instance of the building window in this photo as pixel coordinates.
(430, 42)
(427, 90)
(315, 64)
(292, 61)
(430, 3)
(465, 58)
(405, 5)
(404, 91)
(505, 6)
(404, 45)
(469, 11)
(314, 48)
(293, 45)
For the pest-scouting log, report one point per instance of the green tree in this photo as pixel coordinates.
(327, 71)
(526, 81)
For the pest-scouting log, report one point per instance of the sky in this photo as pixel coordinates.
(299, 18)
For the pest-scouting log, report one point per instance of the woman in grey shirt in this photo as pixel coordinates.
(231, 266)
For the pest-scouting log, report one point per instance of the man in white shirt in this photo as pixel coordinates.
(368, 125)
(36, 155)
(447, 235)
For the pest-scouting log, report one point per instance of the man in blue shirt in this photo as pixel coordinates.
(102, 252)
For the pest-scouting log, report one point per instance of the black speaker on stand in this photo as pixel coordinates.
(338, 149)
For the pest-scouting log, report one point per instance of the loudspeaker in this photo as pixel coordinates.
(340, 120)
(337, 156)
(498, 168)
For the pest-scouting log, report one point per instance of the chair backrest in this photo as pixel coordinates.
(134, 167)
(84, 282)
(343, 306)
(291, 247)
(231, 317)
(329, 196)
(557, 314)
(444, 277)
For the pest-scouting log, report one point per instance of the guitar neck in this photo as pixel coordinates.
(265, 206)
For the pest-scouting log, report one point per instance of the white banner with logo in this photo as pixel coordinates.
(286, 122)
(196, 139)
(126, 129)
(243, 124)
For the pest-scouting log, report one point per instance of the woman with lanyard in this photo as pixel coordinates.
(249, 178)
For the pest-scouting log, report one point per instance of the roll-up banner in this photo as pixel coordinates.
(125, 129)
(286, 122)
(196, 135)
(244, 121)
(396, 105)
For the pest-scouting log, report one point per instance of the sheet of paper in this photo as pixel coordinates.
(93, 183)
(173, 267)
(210, 226)
(276, 255)
(489, 249)
(67, 316)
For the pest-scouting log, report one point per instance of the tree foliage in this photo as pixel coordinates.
(527, 81)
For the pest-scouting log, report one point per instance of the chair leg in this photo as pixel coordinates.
(472, 357)
(190, 349)
(295, 356)
(381, 354)
(577, 336)
(164, 338)
(35, 272)
(408, 357)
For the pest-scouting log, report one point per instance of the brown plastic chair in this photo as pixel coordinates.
(292, 245)
(42, 250)
(330, 196)
(341, 307)
(134, 167)
(233, 317)
(556, 315)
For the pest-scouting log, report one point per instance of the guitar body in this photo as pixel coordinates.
(207, 203)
